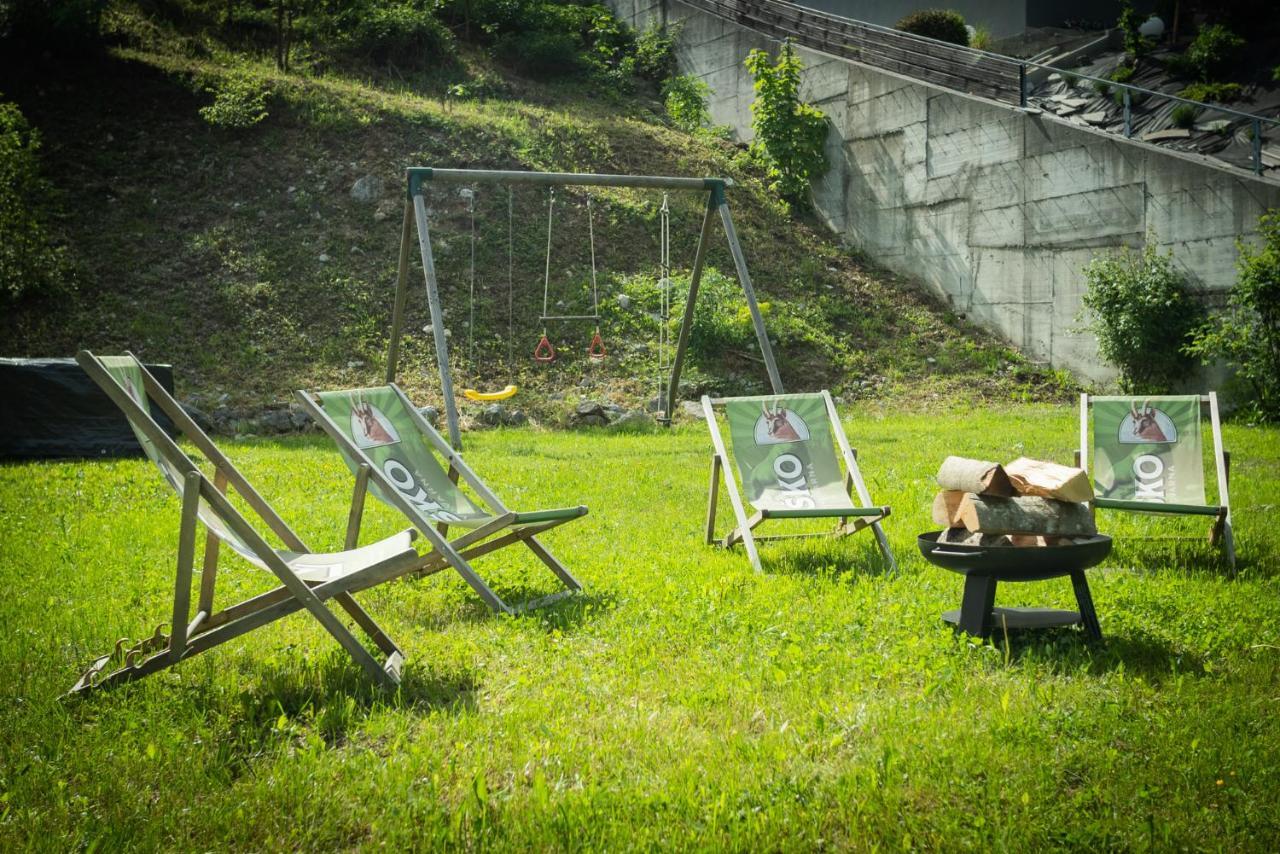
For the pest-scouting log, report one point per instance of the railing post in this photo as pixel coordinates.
(1257, 146)
(1128, 114)
(1022, 85)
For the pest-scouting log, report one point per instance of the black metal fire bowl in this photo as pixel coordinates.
(984, 566)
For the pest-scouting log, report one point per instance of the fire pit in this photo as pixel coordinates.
(984, 566)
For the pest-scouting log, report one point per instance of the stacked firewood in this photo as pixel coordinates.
(1026, 503)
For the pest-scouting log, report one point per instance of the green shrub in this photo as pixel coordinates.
(400, 34)
(1218, 93)
(1213, 51)
(1129, 21)
(1140, 310)
(1184, 115)
(29, 264)
(239, 100)
(539, 52)
(1247, 334)
(655, 52)
(790, 134)
(685, 97)
(945, 25)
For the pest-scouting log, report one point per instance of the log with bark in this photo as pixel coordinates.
(1049, 480)
(1026, 515)
(980, 477)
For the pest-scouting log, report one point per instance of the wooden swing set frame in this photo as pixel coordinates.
(415, 218)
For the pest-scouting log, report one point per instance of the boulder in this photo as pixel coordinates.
(431, 413)
(516, 417)
(494, 414)
(368, 189)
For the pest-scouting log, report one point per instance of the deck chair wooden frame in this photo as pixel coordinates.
(505, 527)
(1220, 531)
(345, 573)
(849, 519)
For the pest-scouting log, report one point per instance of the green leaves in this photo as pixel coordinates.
(790, 134)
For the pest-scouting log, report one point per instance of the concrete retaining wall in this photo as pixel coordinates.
(996, 209)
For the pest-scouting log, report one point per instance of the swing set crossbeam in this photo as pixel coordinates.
(419, 174)
(415, 218)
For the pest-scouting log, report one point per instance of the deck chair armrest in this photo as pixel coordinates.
(536, 516)
(1157, 507)
(824, 512)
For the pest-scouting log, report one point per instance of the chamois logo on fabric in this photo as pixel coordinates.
(780, 426)
(1147, 425)
(370, 428)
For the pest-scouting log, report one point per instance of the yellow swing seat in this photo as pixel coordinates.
(483, 396)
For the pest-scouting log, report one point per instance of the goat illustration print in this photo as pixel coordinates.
(370, 428)
(1145, 425)
(779, 426)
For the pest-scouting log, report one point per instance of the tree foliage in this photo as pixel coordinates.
(1142, 314)
(790, 134)
(1247, 334)
(29, 263)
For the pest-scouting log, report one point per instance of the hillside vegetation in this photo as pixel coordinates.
(240, 255)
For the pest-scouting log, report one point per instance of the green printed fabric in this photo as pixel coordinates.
(375, 421)
(126, 371)
(783, 447)
(1148, 449)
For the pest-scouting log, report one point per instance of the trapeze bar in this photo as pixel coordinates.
(570, 317)
(418, 174)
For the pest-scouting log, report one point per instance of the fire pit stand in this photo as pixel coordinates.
(985, 566)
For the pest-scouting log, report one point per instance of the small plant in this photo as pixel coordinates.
(1102, 87)
(945, 25)
(1247, 334)
(655, 57)
(1218, 93)
(539, 52)
(685, 97)
(1142, 313)
(790, 134)
(1213, 51)
(1184, 115)
(239, 100)
(1129, 23)
(981, 38)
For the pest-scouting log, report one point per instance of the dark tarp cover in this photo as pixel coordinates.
(53, 409)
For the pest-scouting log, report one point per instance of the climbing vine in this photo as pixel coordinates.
(790, 134)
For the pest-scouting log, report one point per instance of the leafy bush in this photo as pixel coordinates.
(790, 134)
(1129, 23)
(655, 52)
(945, 25)
(1213, 51)
(1219, 93)
(1184, 115)
(1142, 314)
(239, 100)
(539, 52)
(29, 264)
(402, 34)
(1247, 334)
(685, 97)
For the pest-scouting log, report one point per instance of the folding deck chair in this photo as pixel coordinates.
(783, 453)
(307, 580)
(1148, 459)
(388, 445)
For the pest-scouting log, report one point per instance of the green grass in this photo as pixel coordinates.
(683, 702)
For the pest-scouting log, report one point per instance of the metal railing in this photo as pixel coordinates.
(958, 67)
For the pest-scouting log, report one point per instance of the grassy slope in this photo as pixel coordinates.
(202, 246)
(683, 702)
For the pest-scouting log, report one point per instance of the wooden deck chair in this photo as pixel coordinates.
(388, 446)
(308, 580)
(1147, 458)
(782, 448)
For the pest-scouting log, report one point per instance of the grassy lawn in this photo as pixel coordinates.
(683, 702)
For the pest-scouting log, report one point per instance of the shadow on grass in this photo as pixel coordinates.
(855, 556)
(1070, 650)
(568, 612)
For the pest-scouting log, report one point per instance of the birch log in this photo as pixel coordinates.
(977, 476)
(1049, 480)
(946, 508)
(1026, 515)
